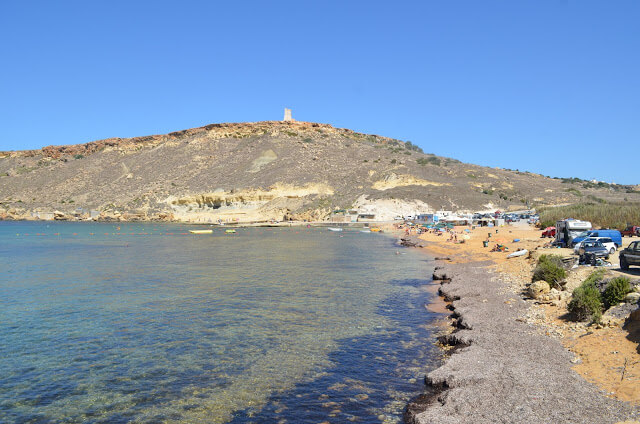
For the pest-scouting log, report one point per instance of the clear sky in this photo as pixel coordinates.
(545, 86)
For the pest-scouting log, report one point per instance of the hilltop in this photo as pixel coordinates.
(265, 170)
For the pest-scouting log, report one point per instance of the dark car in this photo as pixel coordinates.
(590, 250)
(630, 255)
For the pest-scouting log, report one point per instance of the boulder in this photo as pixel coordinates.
(538, 289)
(634, 316)
(610, 321)
(440, 275)
(633, 297)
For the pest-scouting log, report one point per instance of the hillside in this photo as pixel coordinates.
(261, 171)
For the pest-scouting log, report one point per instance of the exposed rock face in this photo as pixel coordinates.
(256, 171)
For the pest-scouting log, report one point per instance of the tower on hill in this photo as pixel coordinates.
(287, 115)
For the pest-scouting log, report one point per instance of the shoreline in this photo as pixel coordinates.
(501, 368)
(252, 224)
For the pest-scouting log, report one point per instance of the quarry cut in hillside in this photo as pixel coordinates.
(263, 171)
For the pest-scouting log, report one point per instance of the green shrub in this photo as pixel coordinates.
(585, 303)
(616, 291)
(431, 160)
(550, 269)
(595, 277)
(554, 259)
(78, 156)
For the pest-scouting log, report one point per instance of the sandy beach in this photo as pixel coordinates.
(518, 359)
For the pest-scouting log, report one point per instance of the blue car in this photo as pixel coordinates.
(614, 235)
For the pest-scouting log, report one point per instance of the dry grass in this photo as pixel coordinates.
(603, 215)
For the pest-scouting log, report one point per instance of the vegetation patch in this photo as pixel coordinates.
(550, 269)
(586, 303)
(616, 291)
(609, 215)
(599, 184)
(429, 160)
(410, 146)
(23, 169)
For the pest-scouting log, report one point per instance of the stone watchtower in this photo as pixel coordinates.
(287, 115)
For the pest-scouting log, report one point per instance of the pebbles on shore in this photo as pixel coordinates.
(506, 370)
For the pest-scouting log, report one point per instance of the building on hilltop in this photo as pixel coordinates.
(287, 115)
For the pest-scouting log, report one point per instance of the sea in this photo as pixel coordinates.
(148, 323)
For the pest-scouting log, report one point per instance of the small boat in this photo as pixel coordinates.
(365, 231)
(334, 229)
(231, 231)
(518, 253)
(201, 231)
(376, 230)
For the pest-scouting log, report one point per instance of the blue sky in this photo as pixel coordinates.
(545, 86)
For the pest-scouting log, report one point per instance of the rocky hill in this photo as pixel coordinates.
(262, 171)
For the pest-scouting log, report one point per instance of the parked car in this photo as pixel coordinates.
(606, 241)
(593, 249)
(631, 231)
(630, 255)
(612, 234)
(549, 232)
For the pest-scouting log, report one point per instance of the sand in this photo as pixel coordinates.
(606, 359)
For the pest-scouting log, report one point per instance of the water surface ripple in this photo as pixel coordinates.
(143, 323)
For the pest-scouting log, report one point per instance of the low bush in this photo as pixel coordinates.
(585, 302)
(550, 269)
(552, 259)
(595, 277)
(616, 291)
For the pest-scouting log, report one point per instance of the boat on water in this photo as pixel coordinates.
(201, 231)
(230, 231)
(376, 230)
(334, 229)
(365, 231)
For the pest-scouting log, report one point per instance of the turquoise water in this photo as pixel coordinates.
(144, 323)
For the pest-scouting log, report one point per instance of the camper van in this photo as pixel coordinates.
(568, 229)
